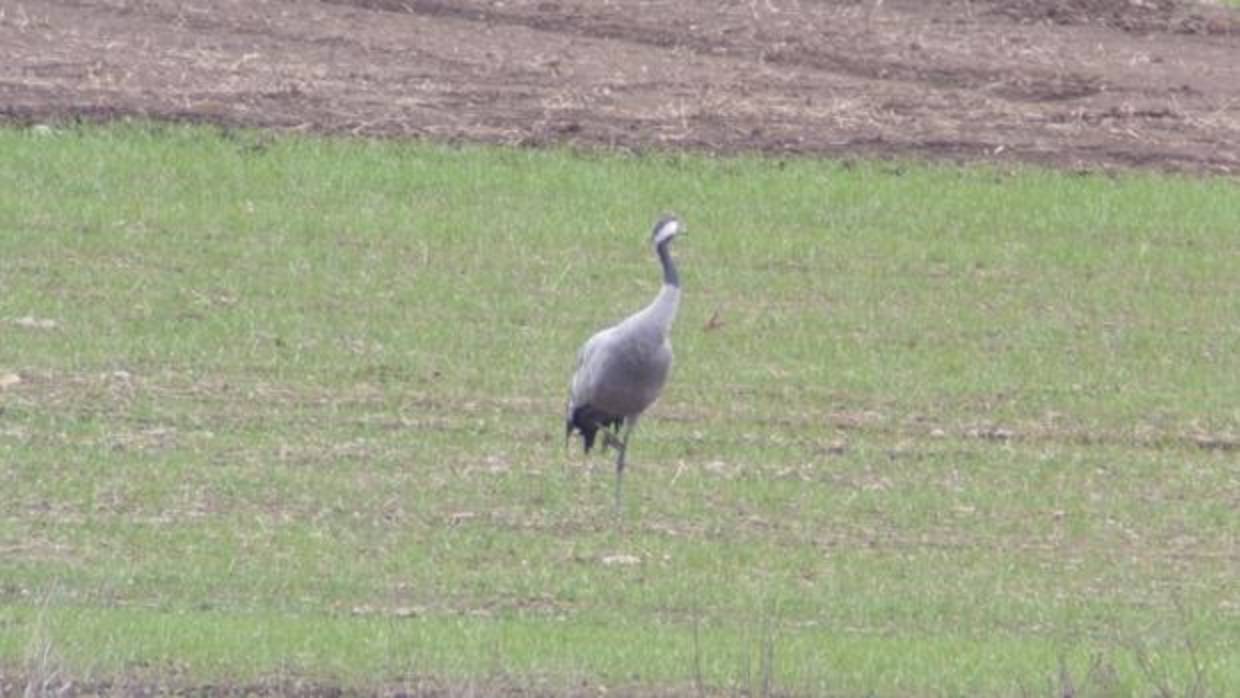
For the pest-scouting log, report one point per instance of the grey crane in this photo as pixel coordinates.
(621, 369)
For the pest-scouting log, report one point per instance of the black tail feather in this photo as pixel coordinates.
(588, 421)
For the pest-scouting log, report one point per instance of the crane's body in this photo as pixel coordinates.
(622, 369)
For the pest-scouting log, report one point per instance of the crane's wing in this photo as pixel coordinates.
(581, 416)
(585, 375)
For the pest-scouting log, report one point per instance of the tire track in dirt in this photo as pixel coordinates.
(795, 52)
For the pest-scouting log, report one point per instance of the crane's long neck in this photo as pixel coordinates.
(670, 275)
(663, 309)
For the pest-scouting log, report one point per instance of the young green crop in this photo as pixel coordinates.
(281, 405)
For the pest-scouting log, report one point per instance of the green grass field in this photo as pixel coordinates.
(292, 407)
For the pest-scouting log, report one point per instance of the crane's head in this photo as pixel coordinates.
(668, 227)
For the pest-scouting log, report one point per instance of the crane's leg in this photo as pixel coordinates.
(610, 440)
(623, 449)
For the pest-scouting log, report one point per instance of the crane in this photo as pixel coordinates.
(621, 369)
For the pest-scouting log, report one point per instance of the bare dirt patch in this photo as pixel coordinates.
(1071, 83)
(141, 686)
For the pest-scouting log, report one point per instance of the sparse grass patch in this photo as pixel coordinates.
(291, 406)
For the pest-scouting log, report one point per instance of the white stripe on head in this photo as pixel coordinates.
(666, 229)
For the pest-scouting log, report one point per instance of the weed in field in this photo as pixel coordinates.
(43, 670)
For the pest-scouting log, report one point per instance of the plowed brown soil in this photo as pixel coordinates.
(1072, 83)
